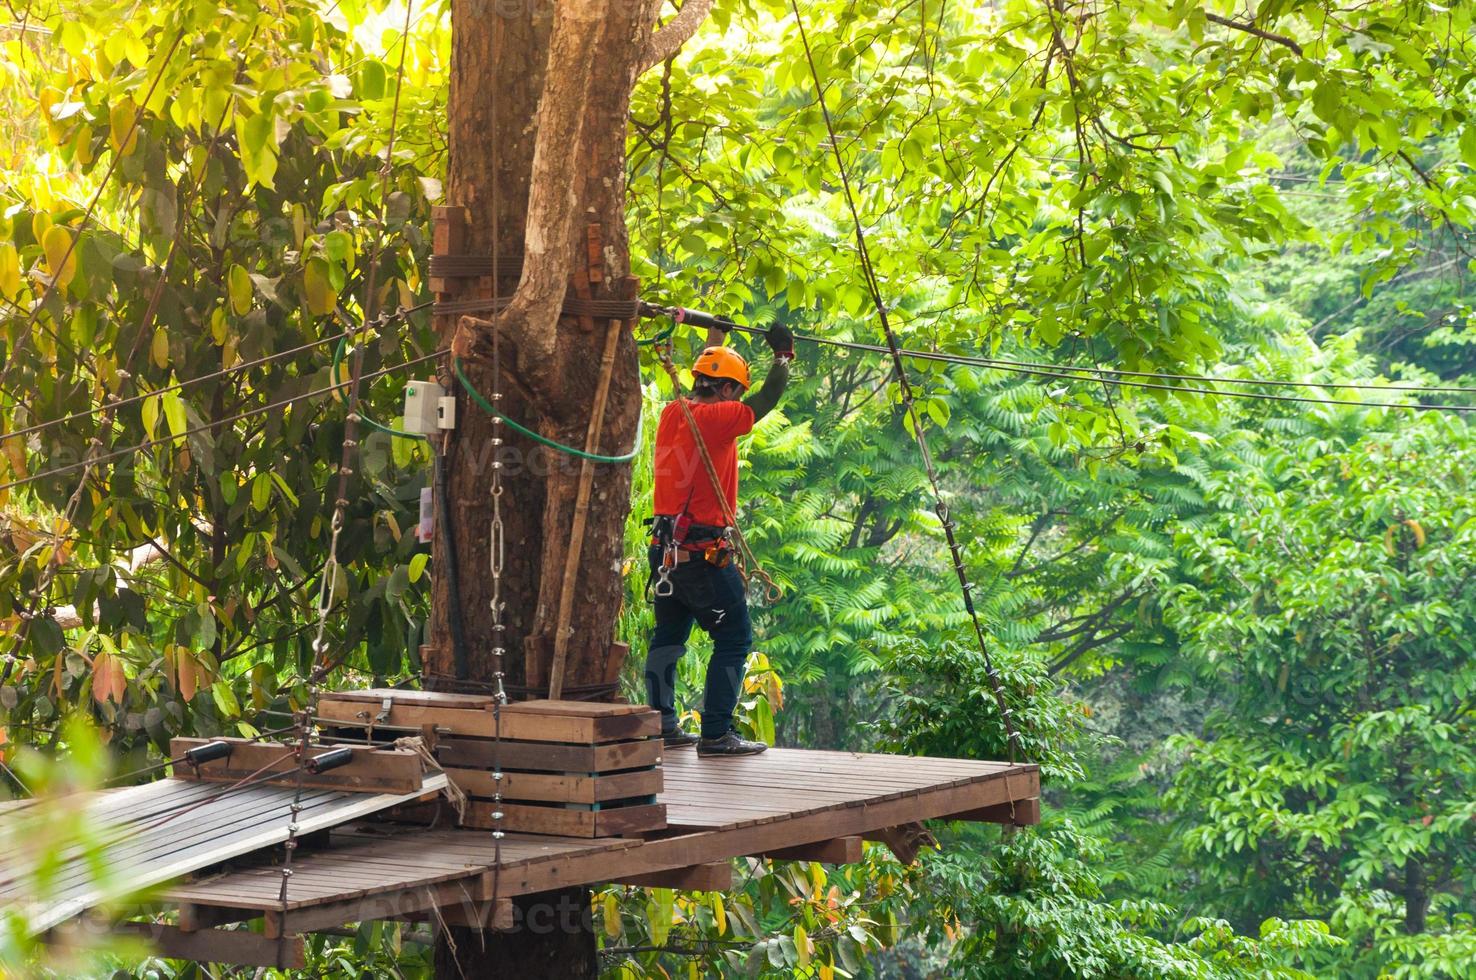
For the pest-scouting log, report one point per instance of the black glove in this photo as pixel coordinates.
(781, 341)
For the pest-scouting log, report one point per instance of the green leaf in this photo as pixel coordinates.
(321, 296)
(238, 284)
(61, 258)
(417, 566)
(174, 413)
(261, 491)
(225, 698)
(10, 274)
(372, 80)
(149, 410)
(159, 348)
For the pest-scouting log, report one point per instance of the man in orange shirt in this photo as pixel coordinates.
(696, 579)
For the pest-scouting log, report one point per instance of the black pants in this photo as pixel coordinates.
(712, 598)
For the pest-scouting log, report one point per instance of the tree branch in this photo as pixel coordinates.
(669, 39)
(1249, 27)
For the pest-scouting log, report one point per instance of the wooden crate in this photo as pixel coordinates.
(569, 768)
(575, 722)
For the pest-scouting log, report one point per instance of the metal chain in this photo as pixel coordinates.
(306, 724)
(497, 543)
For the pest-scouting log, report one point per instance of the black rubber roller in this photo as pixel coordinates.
(697, 318)
(208, 752)
(330, 760)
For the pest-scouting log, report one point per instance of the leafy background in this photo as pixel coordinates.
(1237, 630)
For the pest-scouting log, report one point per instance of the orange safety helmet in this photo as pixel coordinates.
(722, 363)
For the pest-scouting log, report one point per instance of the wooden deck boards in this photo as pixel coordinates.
(719, 809)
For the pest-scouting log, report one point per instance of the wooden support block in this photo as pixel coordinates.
(384, 905)
(579, 722)
(579, 286)
(473, 753)
(371, 771)
(716, 876)
(558, 787)
(615, 661)
(239, 947)
(904, 840)
(1020, 813)
(448, 237)
(595, 251)
(837, 850)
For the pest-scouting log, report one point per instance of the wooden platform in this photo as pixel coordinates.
(785, 803)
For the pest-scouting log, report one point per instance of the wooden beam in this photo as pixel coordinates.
(495, 916)
(837, 850)
(1020, 813)
(397, 904)
(371, 771)
(239, 947)
(904, 840)
(716, 876)
(196, 918)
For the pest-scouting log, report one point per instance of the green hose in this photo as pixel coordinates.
(486, 406)
(343, 397)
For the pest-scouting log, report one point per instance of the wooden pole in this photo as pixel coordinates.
(581, 514)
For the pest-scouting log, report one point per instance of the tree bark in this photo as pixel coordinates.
(539, 104)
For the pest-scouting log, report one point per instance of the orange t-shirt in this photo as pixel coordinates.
(681, 479)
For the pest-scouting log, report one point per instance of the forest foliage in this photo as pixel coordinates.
(1234, 621)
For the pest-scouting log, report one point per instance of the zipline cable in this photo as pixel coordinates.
(196, 430)
(178, 386)
(1095, 375)
(905, 387)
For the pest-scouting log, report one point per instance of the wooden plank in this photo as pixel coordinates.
(1019, 813)
(837, 850)
(436, 699)
(385, 905)
(147, 862)
(471, 753)
(518, 722)
(682, 850)
(567, 823)
(371, 771)
(715, 876)
(556, 787)
(238, 947)
(579, 709)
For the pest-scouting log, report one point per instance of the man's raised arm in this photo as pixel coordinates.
(763, 401)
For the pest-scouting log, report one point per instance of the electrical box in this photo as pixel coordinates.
(423, 407)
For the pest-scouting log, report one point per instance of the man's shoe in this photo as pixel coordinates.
(678, 739)
(729, 744)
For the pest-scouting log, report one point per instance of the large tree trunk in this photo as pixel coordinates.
(534, 88)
